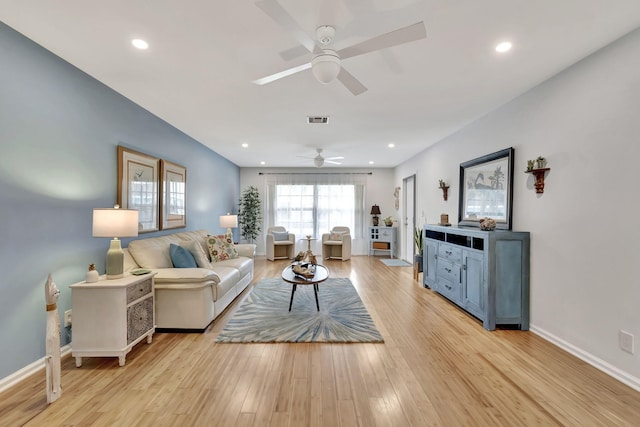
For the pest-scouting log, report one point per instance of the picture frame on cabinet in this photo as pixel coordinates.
(138, 187)
(174, 195)
(486, 189)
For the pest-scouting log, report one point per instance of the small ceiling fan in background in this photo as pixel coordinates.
(326, 64)
(319, 161)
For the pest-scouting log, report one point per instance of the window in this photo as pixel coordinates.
(314, 209)
(312, 204)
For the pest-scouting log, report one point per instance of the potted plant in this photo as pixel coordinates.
(388, 221)
(250, 214)
(417, 258)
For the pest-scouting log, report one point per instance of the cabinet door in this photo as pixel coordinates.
(139, 319)
(473, 285)
(429, 254)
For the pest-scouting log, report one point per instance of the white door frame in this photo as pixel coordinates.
(409, 217)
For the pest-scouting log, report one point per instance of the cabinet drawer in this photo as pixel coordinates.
(450, 253)
(138, 290)
(385, 234)
(139, 319)
(450, 290)
(448, 271)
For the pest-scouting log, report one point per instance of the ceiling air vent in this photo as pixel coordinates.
(317, 119)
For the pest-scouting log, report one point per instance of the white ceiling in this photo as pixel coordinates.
(203, 55)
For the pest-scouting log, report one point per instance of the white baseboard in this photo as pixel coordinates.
(596, 362)
(29, 370)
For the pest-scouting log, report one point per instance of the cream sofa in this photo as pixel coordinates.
(190, 298)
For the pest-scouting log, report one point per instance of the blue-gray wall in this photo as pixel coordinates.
(59, 129)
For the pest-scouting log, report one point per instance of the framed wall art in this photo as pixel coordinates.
(174, 195)
(486, 190)
(138, 187)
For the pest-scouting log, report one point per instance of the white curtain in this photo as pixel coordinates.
(310, 204)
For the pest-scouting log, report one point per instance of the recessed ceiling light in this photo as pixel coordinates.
(245, 145)
(371, 162)
(391, 145)
(503, 47)
(263, 163)
(140, 44)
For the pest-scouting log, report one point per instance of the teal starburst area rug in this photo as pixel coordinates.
(264, 315)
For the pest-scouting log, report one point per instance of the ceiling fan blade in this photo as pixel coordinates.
(332, 162)
(411, 33)
(282, 74)
(293, 53)
(350, 82)
(334, 158)
(282, 17)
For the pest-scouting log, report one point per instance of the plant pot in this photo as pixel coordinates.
(388, 224)
(418, 260)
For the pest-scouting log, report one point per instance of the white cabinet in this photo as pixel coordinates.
(383, 239)
(111, 316)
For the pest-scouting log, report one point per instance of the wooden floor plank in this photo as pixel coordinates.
(436, 367)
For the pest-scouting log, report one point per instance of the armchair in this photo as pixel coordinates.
(337, 244)
(280, 243)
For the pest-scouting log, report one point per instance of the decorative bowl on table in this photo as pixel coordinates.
(304, 269)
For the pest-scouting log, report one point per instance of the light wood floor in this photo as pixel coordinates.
(437, 367)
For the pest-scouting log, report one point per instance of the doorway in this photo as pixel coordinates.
(409, 225)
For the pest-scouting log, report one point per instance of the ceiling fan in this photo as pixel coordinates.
(326, 64)
(319, 161)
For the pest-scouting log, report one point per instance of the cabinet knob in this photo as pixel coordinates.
(448, 270)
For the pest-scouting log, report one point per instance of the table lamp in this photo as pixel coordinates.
(115, 222)
(228, 221)
(375, 211)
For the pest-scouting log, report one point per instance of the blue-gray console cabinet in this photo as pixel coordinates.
(485, 273)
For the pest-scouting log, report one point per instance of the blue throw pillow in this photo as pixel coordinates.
(181, 257)
(280, 236)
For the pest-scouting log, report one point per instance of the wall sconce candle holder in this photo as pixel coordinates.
(539, 175)
(537, 168)
(445, 189)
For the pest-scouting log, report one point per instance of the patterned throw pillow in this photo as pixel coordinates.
(221, 247)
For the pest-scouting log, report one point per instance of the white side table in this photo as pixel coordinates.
(383, 239)
(111, 316)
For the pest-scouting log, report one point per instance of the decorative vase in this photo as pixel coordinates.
(92, 275)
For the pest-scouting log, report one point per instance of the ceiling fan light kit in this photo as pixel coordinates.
(326, 66)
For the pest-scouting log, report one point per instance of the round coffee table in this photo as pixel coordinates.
(321, 274)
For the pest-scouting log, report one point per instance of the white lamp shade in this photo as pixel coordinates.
(326, 66)
(228, 221)
(113, 222)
